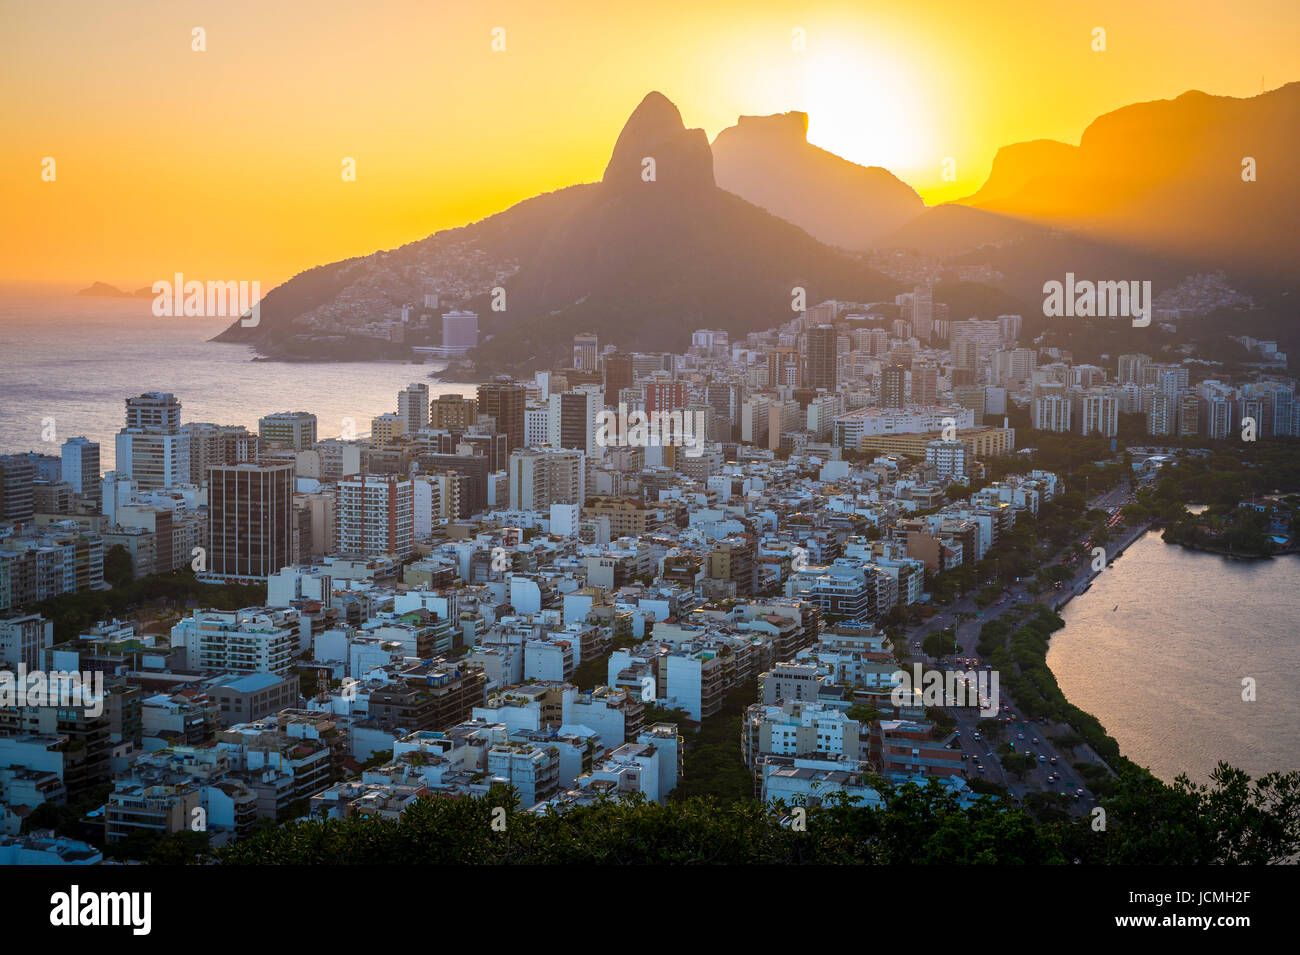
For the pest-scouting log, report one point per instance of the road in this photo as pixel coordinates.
(1027, 736)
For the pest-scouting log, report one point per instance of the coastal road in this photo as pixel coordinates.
(1019, 730)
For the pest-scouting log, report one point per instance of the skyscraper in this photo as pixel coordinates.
(17, 495)
(250, 520)
(81, 468)
(822, 358)
(586, 351)
(152, 448)
(540, 478)
(665, 396)
(922, 312)
(925, 385)
(893, 379)
(459, 333)
(375, 516)
(413, 406)
(453, 412)
(573, 420)
(618, 375)
(503, 400)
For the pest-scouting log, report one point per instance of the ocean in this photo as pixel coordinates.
(76, 360)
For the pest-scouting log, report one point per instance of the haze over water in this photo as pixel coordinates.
(78, 359)
(1157, 650)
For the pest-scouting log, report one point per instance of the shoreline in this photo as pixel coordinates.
(1080, 586)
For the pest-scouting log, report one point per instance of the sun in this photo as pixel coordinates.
(864, 107)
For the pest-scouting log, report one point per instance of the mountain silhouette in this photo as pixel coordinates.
(643, 257)
(1167, 177)
(767, 160)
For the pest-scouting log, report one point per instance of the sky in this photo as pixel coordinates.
(227, 163)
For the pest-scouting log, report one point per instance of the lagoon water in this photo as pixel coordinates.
(1158, 648)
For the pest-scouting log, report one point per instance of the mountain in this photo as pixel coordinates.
(1167, 177)
(643, 257)
(767, 160)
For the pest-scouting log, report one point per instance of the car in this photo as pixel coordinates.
(1042, 759)
(1020, 736)
(977, 737)
(979, 769)
(1052, 760)
(1035, 741)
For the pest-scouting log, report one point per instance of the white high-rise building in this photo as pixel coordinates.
(1097, 413)
(375, 516)
(413, 407)
(542, 477)
(154, 409)
(154, 459)
(1052, 413)
(80, 468)
(948, 458)
(537, 425)
(152, 448)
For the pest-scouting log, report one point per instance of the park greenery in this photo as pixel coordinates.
(74, 613)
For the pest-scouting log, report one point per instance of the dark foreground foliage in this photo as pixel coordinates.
(1230, 821)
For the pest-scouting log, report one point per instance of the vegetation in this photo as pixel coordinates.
(74, 613)
(713, 764)
(1232, 820)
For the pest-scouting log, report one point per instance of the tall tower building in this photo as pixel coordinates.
(618, 375)
(665, 396)
(822, 358)
(503, 401)
(965, 354)
(893, 383)
(586, 351)
(292, 429)
(572, 421)
(922, 312)
(81, 468)
(453, 412)
(152, 448)
(540, 478)
(17, 487)
(375, 516)
(413, 406)
(250, 520)
(925, 385)
(154, 409)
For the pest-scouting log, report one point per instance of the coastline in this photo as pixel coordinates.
(1080, 585)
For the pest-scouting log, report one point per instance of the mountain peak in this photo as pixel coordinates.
(767, 160)
(655, 131)
(792, 126)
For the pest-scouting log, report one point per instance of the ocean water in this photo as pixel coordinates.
(76, 360)
(1159, 647)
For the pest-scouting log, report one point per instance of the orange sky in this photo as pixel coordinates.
(225, 164)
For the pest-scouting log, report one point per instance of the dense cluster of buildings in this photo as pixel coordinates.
(493, 588)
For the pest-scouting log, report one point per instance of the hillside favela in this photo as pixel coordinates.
(561, 435)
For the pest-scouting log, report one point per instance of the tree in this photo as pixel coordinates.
(119, 569)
